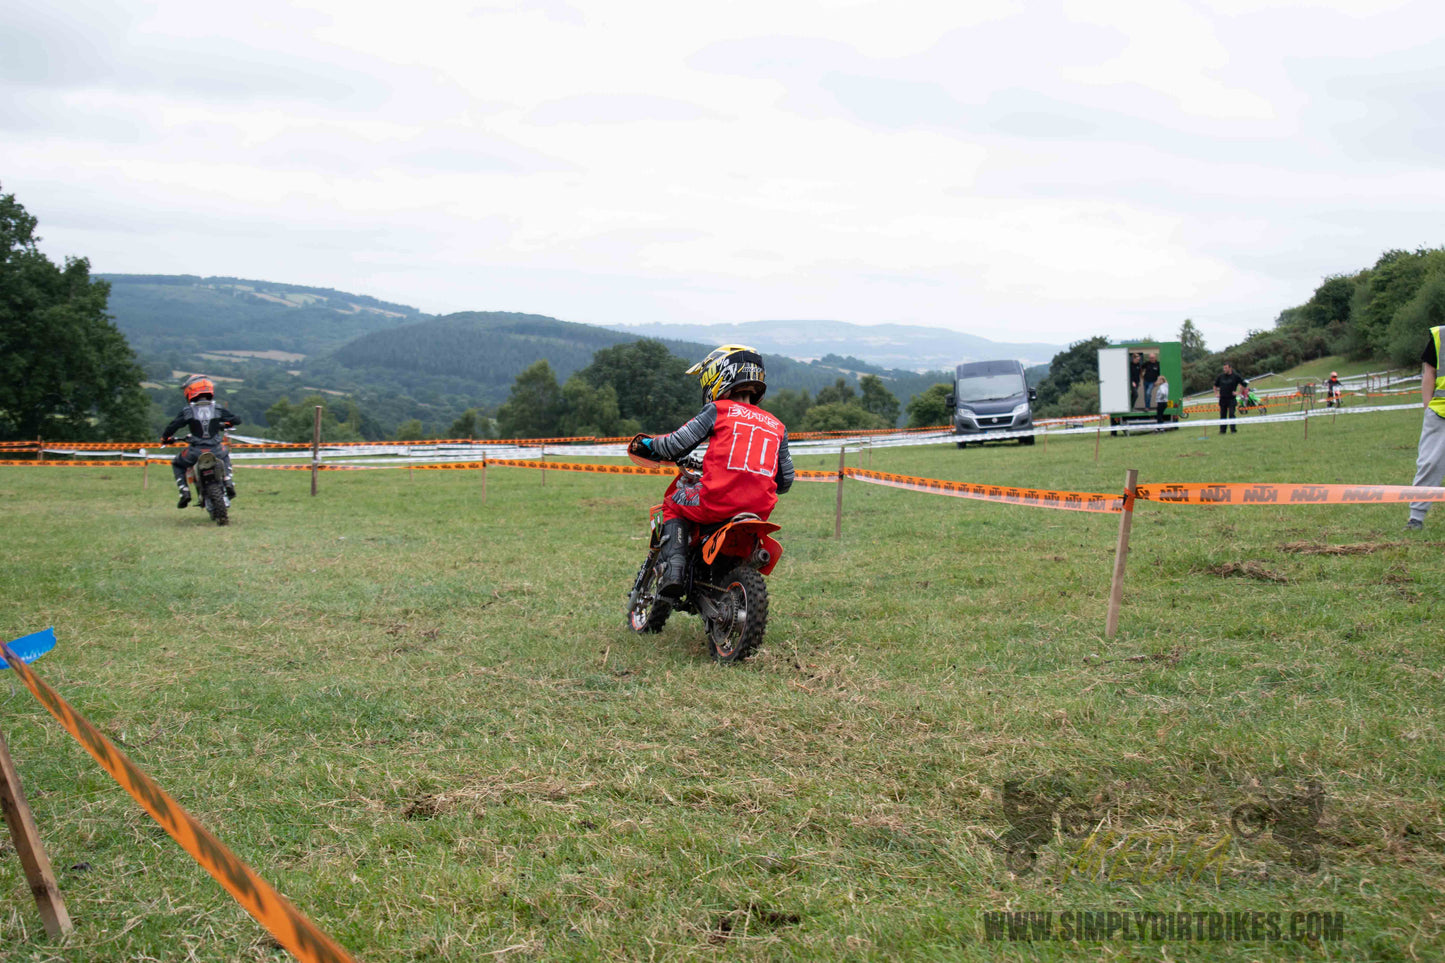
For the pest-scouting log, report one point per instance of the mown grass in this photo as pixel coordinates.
(419, 716)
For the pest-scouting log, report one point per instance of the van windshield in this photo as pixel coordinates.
(997, 387)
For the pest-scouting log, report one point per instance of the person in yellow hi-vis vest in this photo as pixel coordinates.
(1430, 462)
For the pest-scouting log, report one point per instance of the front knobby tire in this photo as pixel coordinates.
(742, 616)
(215, 497)
(646, 610)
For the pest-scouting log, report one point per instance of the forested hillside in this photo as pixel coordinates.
(392, 364)
(185, 314)
(901, 346)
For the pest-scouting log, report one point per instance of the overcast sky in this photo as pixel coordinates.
(1043, 170)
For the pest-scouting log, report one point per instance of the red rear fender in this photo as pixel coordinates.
(741, 539)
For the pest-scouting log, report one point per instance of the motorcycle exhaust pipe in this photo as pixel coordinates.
(761, 557)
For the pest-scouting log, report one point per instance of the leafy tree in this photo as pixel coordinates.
(66, 372)
(1082, 398)
(534, 407)
(1412, 323)
(297, 423)
(837, 416)
(878, 399)
(1191, 342)
(1381, 293)
(839, 392)
(930, 408)
(593, 411)
(1078, 362)
(651, 383)
(471, 424)
(1330, 304)
(789, 405)
(410, 430)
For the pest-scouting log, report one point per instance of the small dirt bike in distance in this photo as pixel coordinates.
(726, 562)
(209, 476)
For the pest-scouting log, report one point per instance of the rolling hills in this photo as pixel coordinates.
(284, 340)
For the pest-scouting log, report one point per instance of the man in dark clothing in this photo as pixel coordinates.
(1149, 375)
(1226, 389)
(206, 423)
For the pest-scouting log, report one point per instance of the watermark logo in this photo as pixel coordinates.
(1043, 810)
(1033, 807)
(1140, 926)
(1293, 820)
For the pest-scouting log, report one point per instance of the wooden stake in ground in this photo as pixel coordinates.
(315, 449)
(1098, 433)
(484, 481)
(1121, 553)
(39, 449)
(838, 515)
(27, 846)
(543, 457)
(145, 470)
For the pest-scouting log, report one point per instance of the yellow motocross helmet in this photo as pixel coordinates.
(728, 367)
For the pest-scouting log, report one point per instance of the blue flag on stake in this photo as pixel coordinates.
(31, 647)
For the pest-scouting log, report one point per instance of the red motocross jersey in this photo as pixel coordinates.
(741, 464)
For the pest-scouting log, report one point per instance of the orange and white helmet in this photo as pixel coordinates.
(729, 367)
(197, 385)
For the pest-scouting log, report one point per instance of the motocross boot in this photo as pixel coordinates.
(673, 558)
(185, 491)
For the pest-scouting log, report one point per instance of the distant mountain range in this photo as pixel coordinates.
(904, 346)
(273, 340)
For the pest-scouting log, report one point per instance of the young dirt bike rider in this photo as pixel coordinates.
(206, 422)
(746, 465)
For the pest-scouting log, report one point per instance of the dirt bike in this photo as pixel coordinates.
(726, 562)
(1252, 403)
(208, 474)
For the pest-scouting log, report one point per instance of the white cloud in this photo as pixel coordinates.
(1042, 170)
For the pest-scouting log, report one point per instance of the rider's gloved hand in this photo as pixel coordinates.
(642, 445)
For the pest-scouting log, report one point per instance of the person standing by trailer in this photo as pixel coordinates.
(1151, 375)
(1430, 454)
(1226, 389)
(1161, 397)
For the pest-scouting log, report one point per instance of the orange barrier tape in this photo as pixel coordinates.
(1035, 497)
(1257, 494)
(582, 466)
(282, 920)
(91, 463)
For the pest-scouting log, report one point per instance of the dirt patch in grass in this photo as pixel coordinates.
(1250, 569)
(493, 789)
(1315, 548)
(752, 919)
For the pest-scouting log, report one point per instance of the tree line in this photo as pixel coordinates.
(1382, 313)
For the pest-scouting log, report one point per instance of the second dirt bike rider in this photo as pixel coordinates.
(746, 466)
(206, 421)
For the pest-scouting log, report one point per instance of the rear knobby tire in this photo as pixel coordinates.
(646, 610)
(215, 497)
(742, 616)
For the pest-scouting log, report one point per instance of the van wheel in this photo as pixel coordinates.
(962, 445)
(1027, 441)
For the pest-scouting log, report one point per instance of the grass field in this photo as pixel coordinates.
(419, 716)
